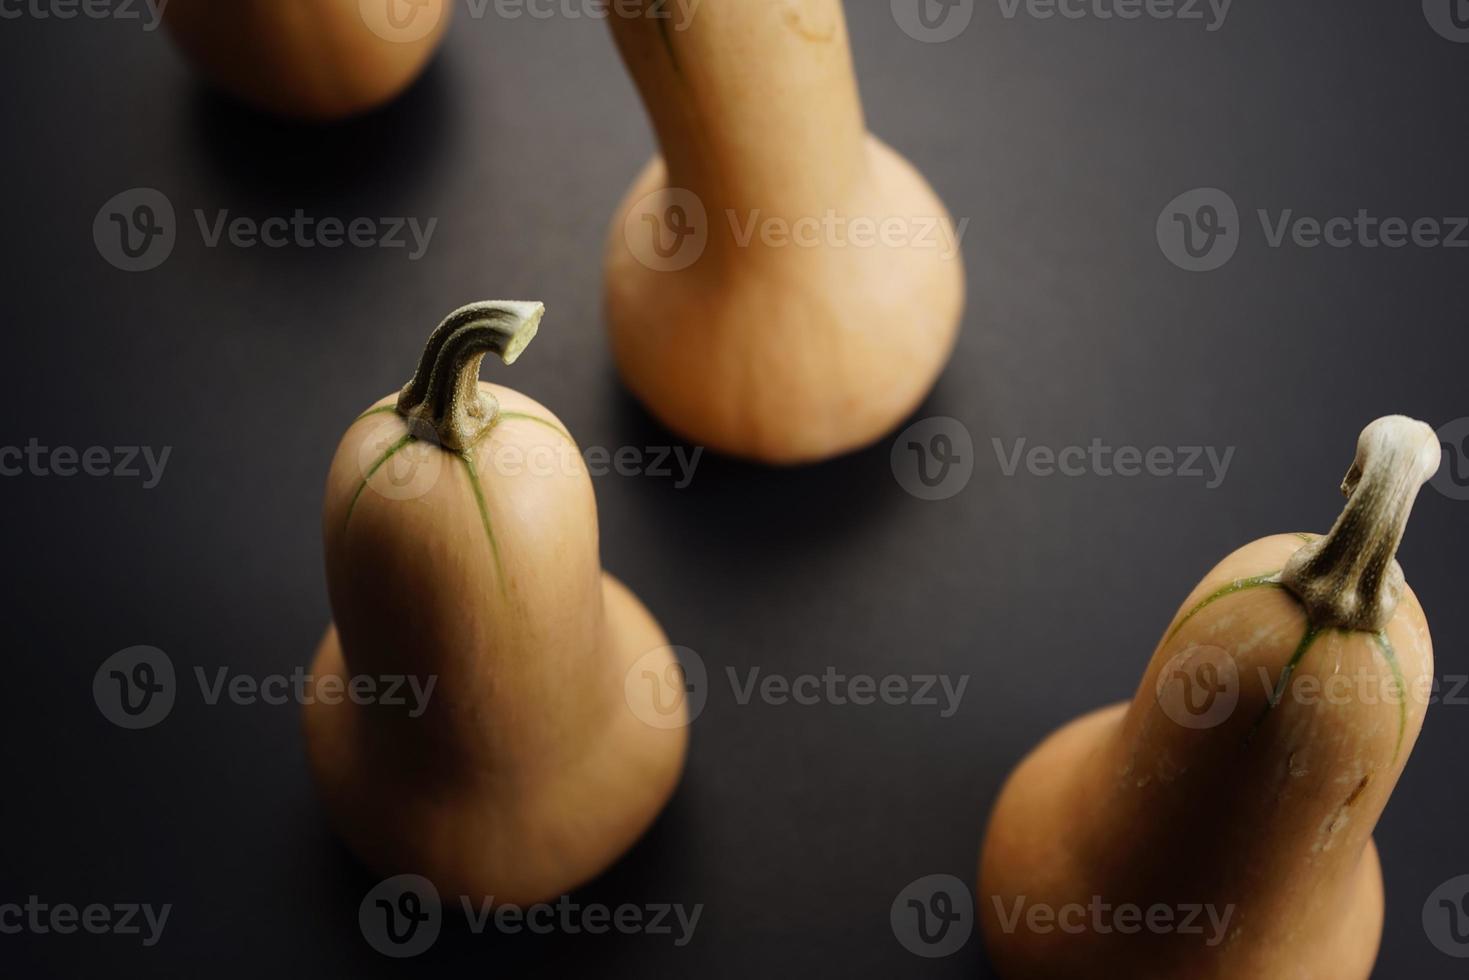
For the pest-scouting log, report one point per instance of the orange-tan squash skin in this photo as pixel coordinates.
(531, 771)
(785, 349)
(1273, 817)
(315, 60)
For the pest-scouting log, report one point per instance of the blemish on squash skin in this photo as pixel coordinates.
(1357, 793)
(798, 26)
(1342, 816)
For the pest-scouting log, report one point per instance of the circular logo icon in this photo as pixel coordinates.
(667, 687)
(933, 916)
(1452, 478)
(1450, 18)
(396, 464)
(401, 916)
(136, 230)
(1446, 917)
(933, 459)
(135, 688)
(667, 230)
(1199, 230)
(401, 21)
(933, 21)
(1199, 688)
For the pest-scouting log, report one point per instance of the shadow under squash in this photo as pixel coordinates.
(386, 151)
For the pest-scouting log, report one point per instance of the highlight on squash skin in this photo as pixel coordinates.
(530, 771)
(1263, 804)
(313, 60)
(783, 353)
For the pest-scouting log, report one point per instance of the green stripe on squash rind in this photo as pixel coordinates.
(1389, 655)
(469, 466)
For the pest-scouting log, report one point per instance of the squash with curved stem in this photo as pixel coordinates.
(461, 544)
(1245, 778)
(779, 284)
(309, 59)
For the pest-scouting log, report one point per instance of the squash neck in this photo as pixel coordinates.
(443, 403)
(755, 104)
(1350, 579)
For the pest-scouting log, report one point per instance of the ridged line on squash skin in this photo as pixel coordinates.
(526, 416)
(484, 516)
(1313, 632)
(389, 407)
(1391, 656)
(469, 465)
(387, 455)
(1233, 588)
(1310, 636)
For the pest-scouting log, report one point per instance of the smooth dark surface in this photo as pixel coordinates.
(795, 826)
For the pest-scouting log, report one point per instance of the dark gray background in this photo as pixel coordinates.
(795, 826)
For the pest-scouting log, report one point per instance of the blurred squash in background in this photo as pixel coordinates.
(315, 60)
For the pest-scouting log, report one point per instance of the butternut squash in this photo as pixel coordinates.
(309, 59)
(779, 284)
(460, 534)
(1241, 785)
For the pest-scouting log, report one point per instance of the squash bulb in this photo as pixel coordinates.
(460, 534)
(314, 60)
(779, 285)
(1237, 793)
